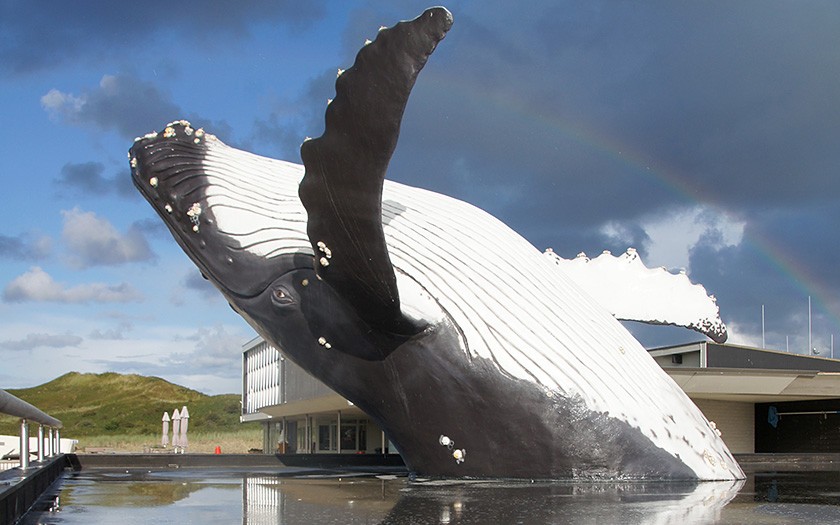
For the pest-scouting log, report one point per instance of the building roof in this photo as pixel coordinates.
(738, 356)
(728, 372)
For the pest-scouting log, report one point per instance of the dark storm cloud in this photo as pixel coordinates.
(739, 100)
(809, 236)
(88, 178)
(562, 117)
(498, 121)
(282, 131)
(125, 104)
(754, 274)
(575, 111)
(39, 34)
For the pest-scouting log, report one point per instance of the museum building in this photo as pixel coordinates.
(299, 414)
(762, 401)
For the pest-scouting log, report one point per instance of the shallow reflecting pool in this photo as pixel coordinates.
(207, 497)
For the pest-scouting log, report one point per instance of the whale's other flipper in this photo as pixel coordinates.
(345, 168)
(632, 292)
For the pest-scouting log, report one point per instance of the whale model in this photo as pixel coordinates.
(473, 352)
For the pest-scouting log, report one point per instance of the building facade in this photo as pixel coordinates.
(761, 400)
(301, 415)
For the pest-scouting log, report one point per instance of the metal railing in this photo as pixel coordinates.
(27, 412)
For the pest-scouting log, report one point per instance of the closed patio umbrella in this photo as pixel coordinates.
(185, 421)
(164, 440)
(176, 428)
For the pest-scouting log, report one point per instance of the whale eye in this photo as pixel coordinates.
(280, 296)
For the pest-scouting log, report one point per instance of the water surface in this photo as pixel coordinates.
(224, 497)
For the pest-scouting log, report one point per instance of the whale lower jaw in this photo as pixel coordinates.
(235, 214)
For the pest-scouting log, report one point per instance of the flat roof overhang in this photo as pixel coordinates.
(330, 404)
(756, 385)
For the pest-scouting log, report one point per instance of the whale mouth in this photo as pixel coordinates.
(235, 214)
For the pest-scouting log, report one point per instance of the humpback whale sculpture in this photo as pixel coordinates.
(473, 351)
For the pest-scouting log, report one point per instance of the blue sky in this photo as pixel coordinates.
(704, 134)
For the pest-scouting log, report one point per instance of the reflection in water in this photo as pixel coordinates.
(268, 499)
(797, 487)
(273, 500)
(136, 488)
(648, 503)
(262, 498)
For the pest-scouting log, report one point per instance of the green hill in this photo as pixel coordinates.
(111, 404)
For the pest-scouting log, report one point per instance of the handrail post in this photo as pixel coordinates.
(24, 444)
(40, 443)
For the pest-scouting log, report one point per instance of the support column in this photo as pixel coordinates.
(40, 443)
(267, 436)
(383, 442)
(338, 433)
(57, 442)
(50, 442)
(24, 444)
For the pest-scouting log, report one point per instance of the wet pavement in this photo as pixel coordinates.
(202, 496)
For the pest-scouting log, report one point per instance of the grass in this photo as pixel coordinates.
(124, 411)
(231, 442)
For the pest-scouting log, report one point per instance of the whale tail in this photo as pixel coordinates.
(633, 292)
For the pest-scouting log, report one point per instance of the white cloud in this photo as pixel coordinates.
(123, 103)
(739, 335)
(38, 285)
(207, 360)
(93, 241)
(672, 235)
(215, 349)
(59, 104)
(42, 340)
(117, 333)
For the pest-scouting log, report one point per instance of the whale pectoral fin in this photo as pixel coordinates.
(345, 167)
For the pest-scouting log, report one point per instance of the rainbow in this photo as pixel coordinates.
(790, 267)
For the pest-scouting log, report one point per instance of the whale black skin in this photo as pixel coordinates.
(508, 427)
(334, 308)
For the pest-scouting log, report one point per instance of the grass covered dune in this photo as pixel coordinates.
(123, 413)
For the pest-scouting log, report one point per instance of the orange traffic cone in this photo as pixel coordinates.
(218, 450)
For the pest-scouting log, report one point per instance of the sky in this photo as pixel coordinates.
(704, 134)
